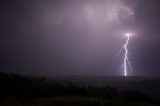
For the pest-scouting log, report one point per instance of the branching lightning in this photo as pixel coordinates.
(126, 66)
(126, 61)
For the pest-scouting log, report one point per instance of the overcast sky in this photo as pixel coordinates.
(79, 37)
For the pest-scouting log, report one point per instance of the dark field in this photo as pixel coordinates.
(17, 90)
(71, 101)
(147, 85)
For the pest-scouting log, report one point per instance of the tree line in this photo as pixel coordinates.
(18, 86)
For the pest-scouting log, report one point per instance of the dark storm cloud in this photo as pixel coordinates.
(147, 42)
(50, 37)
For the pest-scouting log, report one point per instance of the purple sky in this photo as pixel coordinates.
(79, 37)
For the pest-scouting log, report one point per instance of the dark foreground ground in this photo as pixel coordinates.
(147, 85)
(17, 90)
(71, 101)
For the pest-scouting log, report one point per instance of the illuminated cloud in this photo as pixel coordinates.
(110, 12)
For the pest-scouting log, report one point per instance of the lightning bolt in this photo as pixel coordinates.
(126, 66)
(126, 61)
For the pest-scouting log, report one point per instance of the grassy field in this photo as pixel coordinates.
(147, 85)
(17, 90)
(69, 101)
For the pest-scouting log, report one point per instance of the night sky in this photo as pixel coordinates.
(79, 37)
